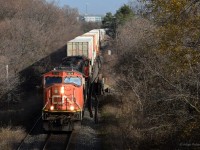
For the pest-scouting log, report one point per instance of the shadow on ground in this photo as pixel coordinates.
(25, 111)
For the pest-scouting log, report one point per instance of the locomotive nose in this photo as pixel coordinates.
(57, 90)
(57, 96)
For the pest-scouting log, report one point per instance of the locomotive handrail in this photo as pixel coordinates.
(75, 101)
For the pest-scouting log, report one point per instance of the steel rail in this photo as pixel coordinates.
(51, 140)
(69, 141)
(46, 141)
(22, 142)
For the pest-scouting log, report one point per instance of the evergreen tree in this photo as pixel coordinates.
(111, 22)
(124, 14)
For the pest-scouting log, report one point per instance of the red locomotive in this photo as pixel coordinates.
(64, 99)
(67, 87)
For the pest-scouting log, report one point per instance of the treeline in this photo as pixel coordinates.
(158, 75)
(29, 31)
(112, 21)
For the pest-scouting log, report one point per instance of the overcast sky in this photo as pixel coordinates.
(98, 7)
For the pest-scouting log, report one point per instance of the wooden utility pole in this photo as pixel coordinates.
(7, 80)
(7, 73)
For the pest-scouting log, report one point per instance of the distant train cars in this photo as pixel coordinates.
(66, 87)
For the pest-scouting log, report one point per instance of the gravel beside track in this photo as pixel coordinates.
(87, 138)
(58, 141)
(34, 139)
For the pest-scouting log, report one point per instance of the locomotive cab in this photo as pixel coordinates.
(64, 99)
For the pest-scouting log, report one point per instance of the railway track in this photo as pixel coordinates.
(59, 141)
(29, 133)
(36, 139)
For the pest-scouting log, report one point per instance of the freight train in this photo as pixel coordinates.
(68, 88)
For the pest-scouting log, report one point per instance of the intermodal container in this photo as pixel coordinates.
(97, 32)
(102, 33)
(95, 42)
(81, 46)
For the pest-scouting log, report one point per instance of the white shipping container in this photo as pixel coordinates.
(98, 44)
(94, 35)
(81, 46)
(102, 33)
(95, 31)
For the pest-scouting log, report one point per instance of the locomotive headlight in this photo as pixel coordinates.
(71, 108)
(52, 108)
(62, 90)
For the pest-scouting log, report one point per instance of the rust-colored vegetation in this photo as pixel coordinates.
(157, 79)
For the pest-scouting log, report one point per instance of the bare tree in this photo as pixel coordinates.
(30, 31)
(158, 98)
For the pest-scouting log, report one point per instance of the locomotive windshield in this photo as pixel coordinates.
(74, 80)
(52, 80)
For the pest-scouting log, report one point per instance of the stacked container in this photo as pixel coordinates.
(81, 46)
(96, 31)
(102, 33)
(87, 45)
(95, 42)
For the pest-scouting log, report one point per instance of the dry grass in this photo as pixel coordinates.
(17, 119)
(120, 122)
(110, 107)
(154, 110)
(109, 127)
(10, 137)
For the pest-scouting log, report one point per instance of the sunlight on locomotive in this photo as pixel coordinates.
(52, 107)
(62, 90)
(71, 107)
